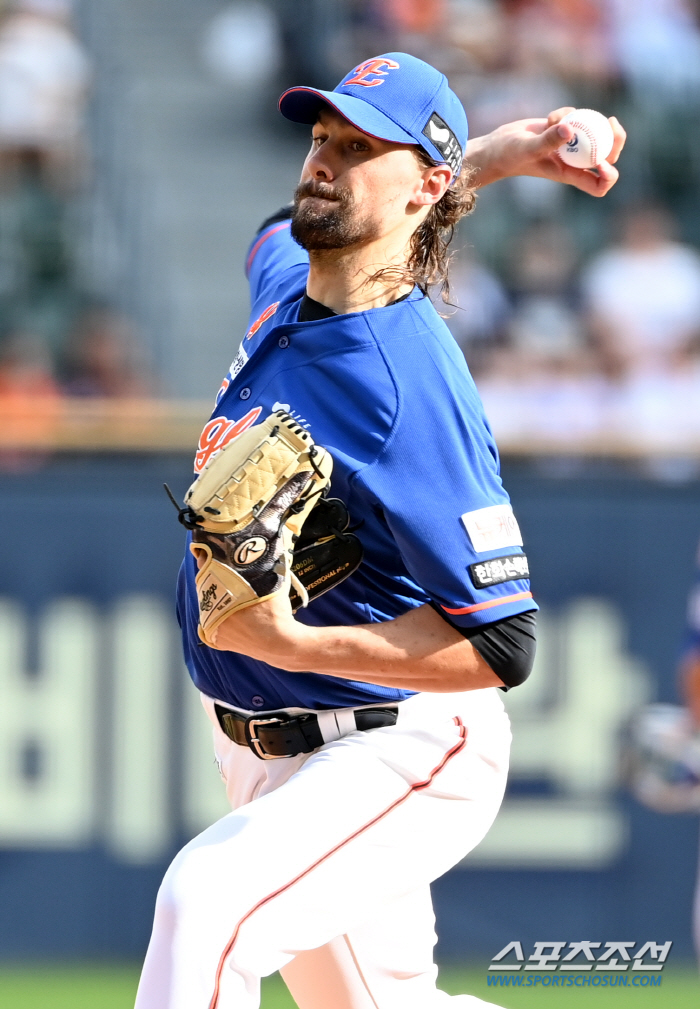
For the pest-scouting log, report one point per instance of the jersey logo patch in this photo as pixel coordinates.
(363, 73)
(492, 528)
(220, 394)
(267, 314)
(219, 431)
(498, 570)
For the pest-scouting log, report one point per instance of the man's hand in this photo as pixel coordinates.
(528, 147)
(267, 631)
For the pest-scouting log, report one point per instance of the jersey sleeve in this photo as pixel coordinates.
(438, 486)
(271, 254)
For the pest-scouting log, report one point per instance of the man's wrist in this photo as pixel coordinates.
(291, 645)
(480, 157)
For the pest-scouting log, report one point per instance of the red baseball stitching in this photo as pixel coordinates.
(584, 128)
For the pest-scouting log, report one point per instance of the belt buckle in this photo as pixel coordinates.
(254, 743)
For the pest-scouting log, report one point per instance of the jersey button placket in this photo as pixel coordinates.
(283, 342)
(244, 393)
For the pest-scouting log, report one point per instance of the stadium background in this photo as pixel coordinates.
(139, 150)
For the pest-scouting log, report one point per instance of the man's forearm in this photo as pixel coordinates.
(417, 651)
(479, 156)
(395, 654)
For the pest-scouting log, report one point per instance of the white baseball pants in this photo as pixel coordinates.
(323, 869)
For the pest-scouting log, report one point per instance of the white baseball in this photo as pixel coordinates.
(592, 141)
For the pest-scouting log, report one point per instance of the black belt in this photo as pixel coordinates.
(278, 734)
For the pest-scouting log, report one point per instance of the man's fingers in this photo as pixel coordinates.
(619, 140)
(607, 177)
(554, 137)
(554, 117)
(595, 184)
(550, 137)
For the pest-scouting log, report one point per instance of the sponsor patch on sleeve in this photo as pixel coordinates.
(499, 569)
(492, 528)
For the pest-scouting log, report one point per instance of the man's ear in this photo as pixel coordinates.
(435, 182)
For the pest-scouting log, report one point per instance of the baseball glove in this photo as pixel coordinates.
(326, 552)
(245, 511)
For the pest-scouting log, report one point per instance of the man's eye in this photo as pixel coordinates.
(357, 145)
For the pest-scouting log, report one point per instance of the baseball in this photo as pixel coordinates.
(592, 141)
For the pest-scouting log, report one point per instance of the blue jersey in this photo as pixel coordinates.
(388, 393)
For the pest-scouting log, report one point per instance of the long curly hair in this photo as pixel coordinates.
(429, 257)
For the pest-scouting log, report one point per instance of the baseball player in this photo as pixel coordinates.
(362, 739)
(690, 686)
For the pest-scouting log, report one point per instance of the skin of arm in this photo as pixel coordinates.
(418, 650)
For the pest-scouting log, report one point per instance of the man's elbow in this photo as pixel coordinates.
(517, 671)
(508, 647)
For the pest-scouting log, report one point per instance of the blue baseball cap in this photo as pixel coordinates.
(393, 97)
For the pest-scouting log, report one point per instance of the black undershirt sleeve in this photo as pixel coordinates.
(508, 646)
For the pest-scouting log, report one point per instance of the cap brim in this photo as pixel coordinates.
(301, 105)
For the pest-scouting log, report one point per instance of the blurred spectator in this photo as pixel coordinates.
(512, 82)
(480, 310)
(657, 46)
(643, 297)
(26, 371)
(102, 358)
(478, 29)
(242, 45)
(309, 30)
(569, 39)
(415, 17)
(43, 79)
(37, 284)
(545, 328)
(515, 82)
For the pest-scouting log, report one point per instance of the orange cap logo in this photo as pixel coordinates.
(364, 72)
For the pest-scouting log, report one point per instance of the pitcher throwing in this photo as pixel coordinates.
(361, 737)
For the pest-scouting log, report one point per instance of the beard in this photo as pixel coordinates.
(336, 225)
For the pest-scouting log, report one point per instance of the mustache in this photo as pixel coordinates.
(339, 194)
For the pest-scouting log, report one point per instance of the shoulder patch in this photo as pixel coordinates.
(492, 528)
(498, 570)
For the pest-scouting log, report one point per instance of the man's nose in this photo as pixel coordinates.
(320, 167)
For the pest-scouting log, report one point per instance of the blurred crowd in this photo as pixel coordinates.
(56, 338)
(579, 317)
